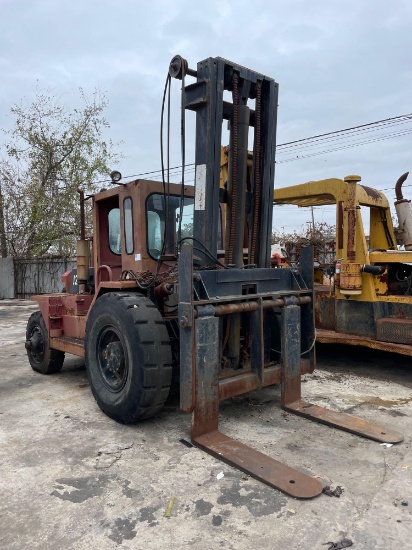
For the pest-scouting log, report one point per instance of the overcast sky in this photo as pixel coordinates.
(338, 64)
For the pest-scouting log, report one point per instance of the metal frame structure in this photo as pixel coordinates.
(268, 301)
(371, 311)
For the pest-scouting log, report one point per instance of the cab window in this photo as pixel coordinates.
(114, 231)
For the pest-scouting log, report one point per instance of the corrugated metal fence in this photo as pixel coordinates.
(23, 277)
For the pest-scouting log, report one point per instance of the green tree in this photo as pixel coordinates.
(49, 153)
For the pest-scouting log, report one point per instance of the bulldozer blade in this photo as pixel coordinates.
(344, 421)
(258, 465)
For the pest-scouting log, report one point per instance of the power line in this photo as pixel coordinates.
(344, 136)
(344, 139)
(409, 116)
(307, 143)
(346, 146)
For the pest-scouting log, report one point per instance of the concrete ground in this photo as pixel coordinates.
(72, 478)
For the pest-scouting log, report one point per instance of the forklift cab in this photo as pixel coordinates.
(130, 223)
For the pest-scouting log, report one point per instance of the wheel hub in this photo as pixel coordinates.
(35, 344)
(113, 353)
(112, 360)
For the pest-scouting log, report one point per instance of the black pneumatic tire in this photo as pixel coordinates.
(42, 359)
(128, 356)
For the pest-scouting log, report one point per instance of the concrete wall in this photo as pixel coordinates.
(6, 278)
(39, 275)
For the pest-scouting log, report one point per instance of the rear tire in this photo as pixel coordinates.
(128, 356)
(42, 358)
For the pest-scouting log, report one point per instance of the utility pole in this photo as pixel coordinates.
(3, 242)
(313, 222)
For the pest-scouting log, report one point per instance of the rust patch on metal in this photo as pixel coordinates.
(339, 244)
(325, 308)
(332, 337)
(398, 186)
(372, 193)
(397, 330)
(68, 345)
(249, 381)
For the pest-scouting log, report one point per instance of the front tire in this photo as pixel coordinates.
(128, 356)
(42, 358)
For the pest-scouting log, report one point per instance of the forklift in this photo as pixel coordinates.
(158, 300)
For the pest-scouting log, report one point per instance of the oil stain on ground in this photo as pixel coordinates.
(123, 528)
(203, 508)
(262, 501)
(79, 489)
(147, 514)
(373, 401)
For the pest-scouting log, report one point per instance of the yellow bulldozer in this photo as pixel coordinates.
(369, 300)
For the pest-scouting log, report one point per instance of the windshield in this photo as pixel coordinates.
(159, 217)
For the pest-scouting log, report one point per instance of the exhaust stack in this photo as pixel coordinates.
(83, 250)
(404, 213)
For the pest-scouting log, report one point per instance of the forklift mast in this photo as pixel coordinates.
(248, 208)
(206, 97)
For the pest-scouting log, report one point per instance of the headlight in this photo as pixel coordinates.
(116, 176)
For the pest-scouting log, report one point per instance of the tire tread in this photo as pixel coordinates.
(53, 358)
(153, 338)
